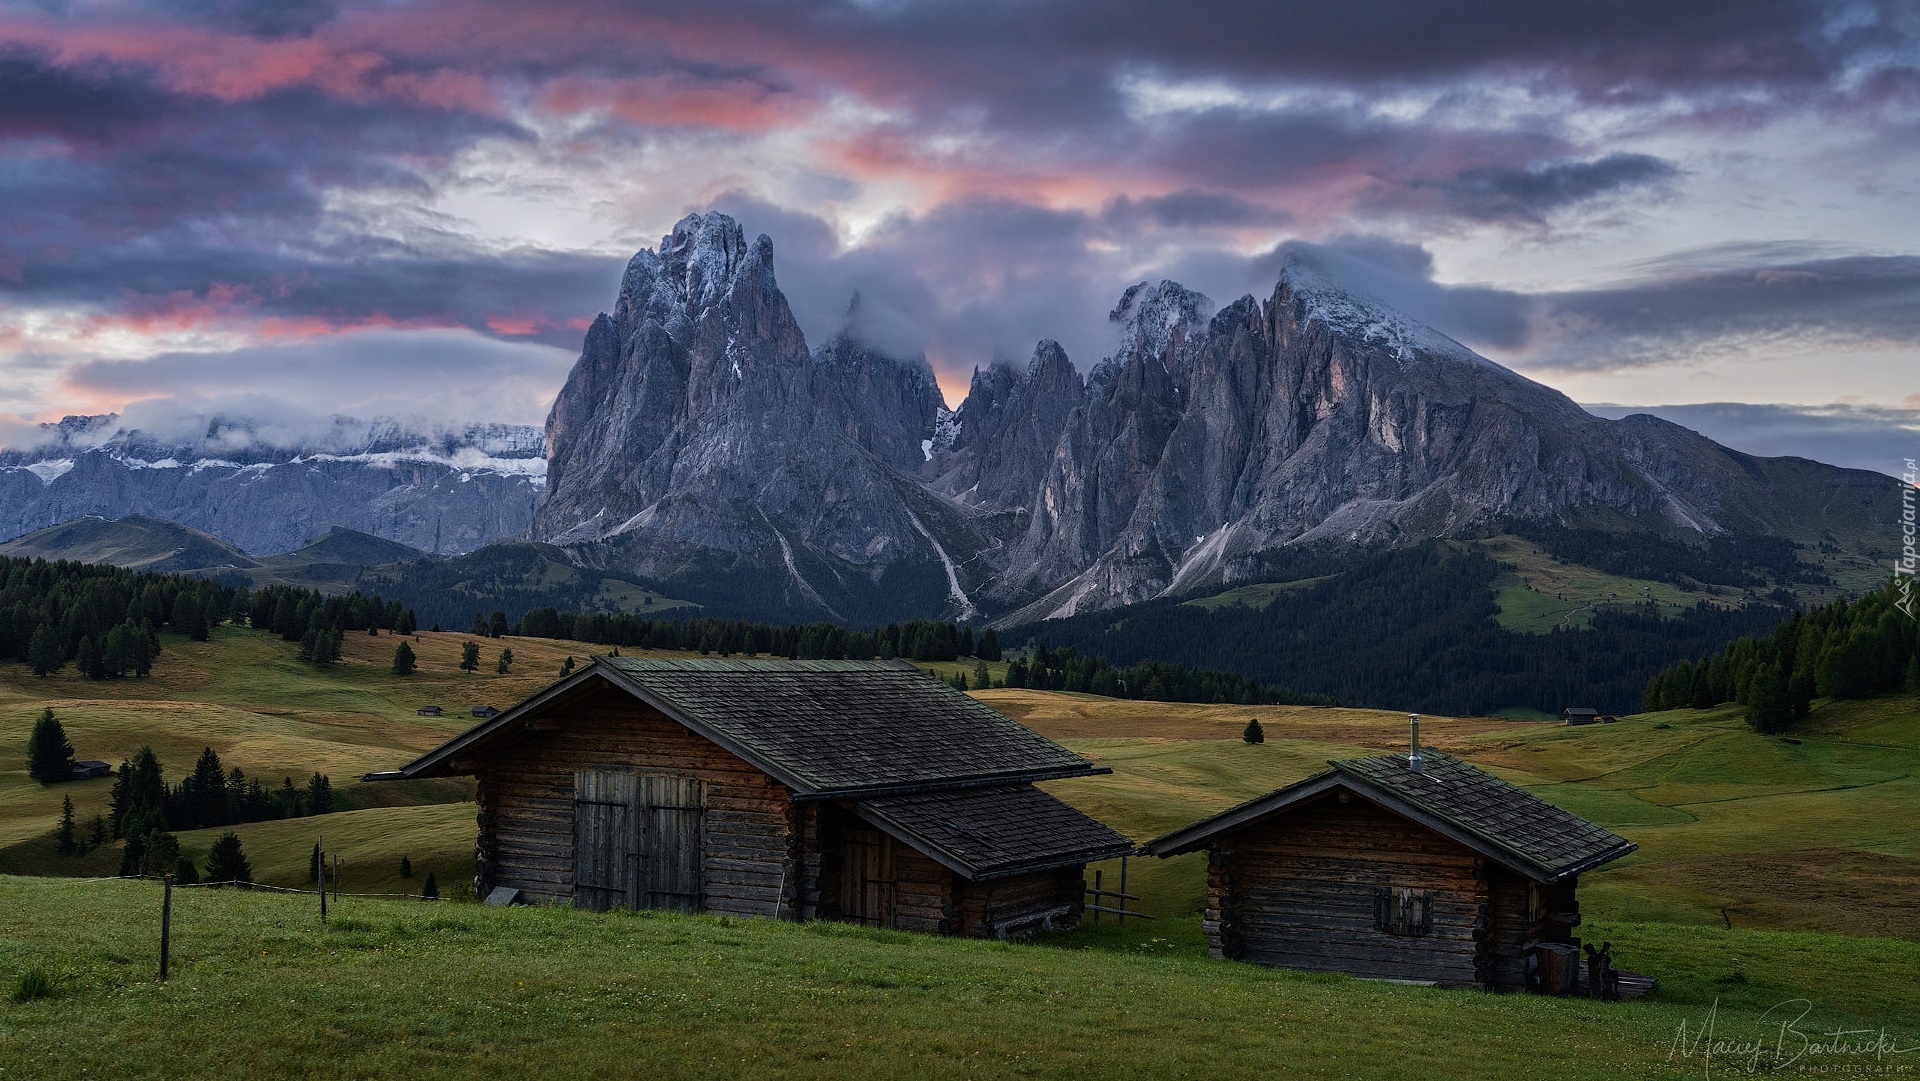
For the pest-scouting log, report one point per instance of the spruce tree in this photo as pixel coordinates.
(319, 794)
(227, 862)
(406, 867)
(184, 872)
(63, 836)
(44, 652)
(469, 657)
(430, 891)
(89, 659)
(567, 668)
(49, 755)
(506, 661)
(403, 660)
(1253, 733)
(982, 678)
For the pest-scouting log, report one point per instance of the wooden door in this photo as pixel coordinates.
(670, 853)
(603, 840)
(867, 876)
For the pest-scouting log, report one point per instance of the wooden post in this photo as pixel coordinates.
(1099, 896)
(320, 873)
(166, 925)
(1121, 917)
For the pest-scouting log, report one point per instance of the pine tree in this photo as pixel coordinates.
(184, 872)
(403, 660)
(63, 836)
(159, 853)
(406, 867)
(506, 661)
(89, 659)
(469, 657)
(1253, 733)
(1769, 710)
(49, 755)
(227, 862)
(44, 652)
(982, 679)
(567, 668)
(430, 891)
(319, 794)
(313, 864)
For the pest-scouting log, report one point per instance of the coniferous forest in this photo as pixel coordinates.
(1845, 649)
(1411, 628)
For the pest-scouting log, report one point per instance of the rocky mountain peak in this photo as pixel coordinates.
(1153, 319)
(703, 261)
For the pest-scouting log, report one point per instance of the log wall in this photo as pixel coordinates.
(750, 834)
(1299, 891)
(1024, 904)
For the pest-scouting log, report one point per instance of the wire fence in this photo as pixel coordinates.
(246, 884)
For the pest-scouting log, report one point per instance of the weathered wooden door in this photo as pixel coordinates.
(867, 876)
(637, 842)
(670, 856)
(603, 840)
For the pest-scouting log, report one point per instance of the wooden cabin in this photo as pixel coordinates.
(866, 791)
(1440, 874)
(1574, 715)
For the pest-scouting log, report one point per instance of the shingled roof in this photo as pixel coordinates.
(826, 729)
(1507, 824)
(985, 833)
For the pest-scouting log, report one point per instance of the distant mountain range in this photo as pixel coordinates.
(701, 449)
(267, 489)
(699, 442)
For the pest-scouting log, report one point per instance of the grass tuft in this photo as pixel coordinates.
(33, 984)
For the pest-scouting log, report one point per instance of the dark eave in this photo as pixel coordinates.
(1200, 834)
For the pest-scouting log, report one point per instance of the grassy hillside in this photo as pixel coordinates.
(1808, 847)
(394, 989)
(137, 543)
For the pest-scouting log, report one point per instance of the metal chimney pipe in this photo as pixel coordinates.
(1413, 759)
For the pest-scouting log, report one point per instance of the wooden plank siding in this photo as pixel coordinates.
(1299, 890)
(528, 807)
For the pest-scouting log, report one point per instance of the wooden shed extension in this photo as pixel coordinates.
(855, 790)
(1445, 874)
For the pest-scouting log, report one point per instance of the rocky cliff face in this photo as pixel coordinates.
(268, 492)
(698, 441)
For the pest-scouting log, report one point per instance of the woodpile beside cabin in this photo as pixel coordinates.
(1407, 867)
(850, 790)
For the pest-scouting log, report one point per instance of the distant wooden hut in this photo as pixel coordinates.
(1580, 715)
(88, 769)
(852, 790)
(429, 711)
(1443, 874)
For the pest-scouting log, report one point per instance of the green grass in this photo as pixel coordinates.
(1259, 595)
(1541, 592)
(1807, 850)
(407, 990)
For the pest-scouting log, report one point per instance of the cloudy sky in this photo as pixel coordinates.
(418, 207)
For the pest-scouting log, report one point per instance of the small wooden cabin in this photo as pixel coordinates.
(1443, 874)
(866, 791)
(1574, 715)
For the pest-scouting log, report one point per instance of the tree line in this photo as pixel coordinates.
(145, 810)
(105, 620)
(1410, 628)
(1843, 649)
(1065, 669)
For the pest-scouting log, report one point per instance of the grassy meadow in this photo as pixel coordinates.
(1768, 871)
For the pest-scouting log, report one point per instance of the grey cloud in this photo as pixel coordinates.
(453, 375)
(1529, 193)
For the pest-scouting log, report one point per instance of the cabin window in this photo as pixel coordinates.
(1398, 910)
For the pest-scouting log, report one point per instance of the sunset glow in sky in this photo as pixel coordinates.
(416, 208)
